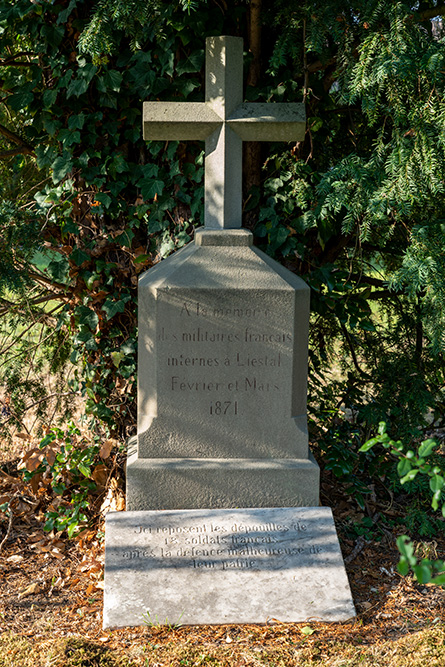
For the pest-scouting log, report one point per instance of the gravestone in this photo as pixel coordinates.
(222, 329)
(222, 490)
(224, 566)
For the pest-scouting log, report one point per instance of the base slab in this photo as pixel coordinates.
(220, 566)
(155, 484)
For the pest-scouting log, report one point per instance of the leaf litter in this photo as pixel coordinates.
(52, 586)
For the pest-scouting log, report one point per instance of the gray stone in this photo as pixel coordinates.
(222, 381)
(224, 566)
(224, 122)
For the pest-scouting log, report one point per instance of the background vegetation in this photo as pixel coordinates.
(357, 209)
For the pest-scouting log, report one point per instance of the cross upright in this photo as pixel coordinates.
(224, 121)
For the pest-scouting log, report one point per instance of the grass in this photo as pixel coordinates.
(421, 649)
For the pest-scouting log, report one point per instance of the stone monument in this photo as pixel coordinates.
(222, 329)
(222, 490)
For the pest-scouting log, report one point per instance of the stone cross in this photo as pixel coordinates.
(224, 121)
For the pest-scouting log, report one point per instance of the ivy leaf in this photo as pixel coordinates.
(61, 166)
(49, 98)
(58, 269)
(79, 256)
(77, 88)
(20, 100)
(86, 340)
(117, 358)
(125, 238)
(112, 80)
(76, 122)
(51, 125)
(111, 308)
(87, 317)
(194, 63)
(104, 199)
(150, 187)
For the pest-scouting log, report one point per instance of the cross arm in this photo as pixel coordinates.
(257, 121)
(178, 121)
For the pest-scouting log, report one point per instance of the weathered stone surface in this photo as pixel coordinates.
(222, 378)
(224, 566)
(224, 122)
(199, 483)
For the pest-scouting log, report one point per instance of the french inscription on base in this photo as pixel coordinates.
(224, 566)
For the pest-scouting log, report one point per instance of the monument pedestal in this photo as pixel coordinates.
(222, 381)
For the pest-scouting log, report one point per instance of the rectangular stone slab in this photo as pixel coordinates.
(224, 566)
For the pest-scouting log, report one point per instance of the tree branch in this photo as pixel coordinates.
(15, 151)
(12, 136)
(12, 60)
(319, 65)
(52, 296)
(45, 281)
(42, 400)
(431, 13)
(351, 348)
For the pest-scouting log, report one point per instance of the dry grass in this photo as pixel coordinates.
(421, 649)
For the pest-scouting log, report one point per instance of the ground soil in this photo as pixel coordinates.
(52, 589)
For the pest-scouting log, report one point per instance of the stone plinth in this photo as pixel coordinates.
(222, 381)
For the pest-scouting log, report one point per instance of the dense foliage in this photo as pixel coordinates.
(357, 209)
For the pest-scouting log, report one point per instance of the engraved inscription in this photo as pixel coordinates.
(233, 355)
(225, 547)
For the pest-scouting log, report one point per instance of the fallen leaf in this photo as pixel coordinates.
(107, 446)
(31, 590)
(307, 630)
(100, 474)
(15, 559)
(31, 459)
(23, 436)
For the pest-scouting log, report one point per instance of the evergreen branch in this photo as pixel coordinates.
(33, 348)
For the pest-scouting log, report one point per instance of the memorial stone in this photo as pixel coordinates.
(222, 490)
(224, 566)
(222, 329)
